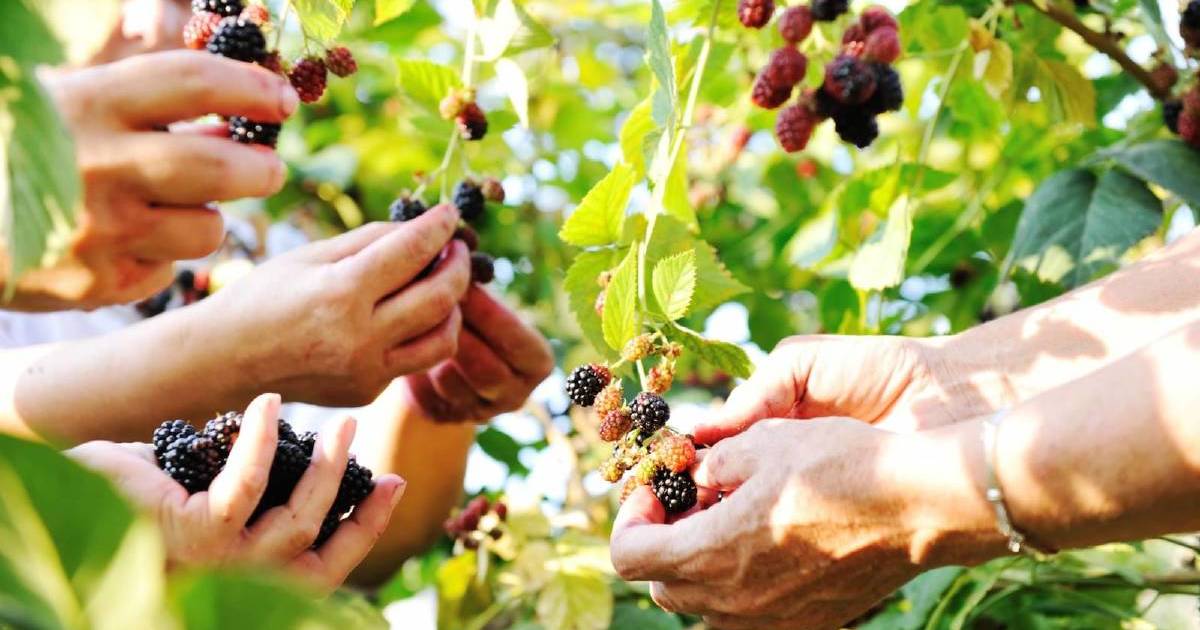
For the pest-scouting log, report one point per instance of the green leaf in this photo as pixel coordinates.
(722, 355)
(25, 37)
(714, 284)
(880, 263)
(675, 283)
(501, 447)
(699, 12)
(675, 196)
(583, 290)
(600, 217)
(917, 600)
(426, 82)
(839, 307)
(235, 599)
(391, 9)
(620, 303)
(1168, 163)
(575, 601)
(634, 132)
(658, 56)
(1074, 225)
(39, 184)
(322, 19)
(643, 616)
(1068, 94)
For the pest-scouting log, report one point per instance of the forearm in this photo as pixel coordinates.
(118, 386)
(1107, 457)
(396, 437)
(1037, 349)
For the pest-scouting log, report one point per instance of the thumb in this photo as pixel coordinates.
(772, 392)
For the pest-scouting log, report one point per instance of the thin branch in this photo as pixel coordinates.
(1102, 42)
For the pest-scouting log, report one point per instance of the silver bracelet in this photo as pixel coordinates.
(1018, 542)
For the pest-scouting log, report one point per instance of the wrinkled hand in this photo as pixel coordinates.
(898, 383)
(210, 527)
(500, 360)
(146, 192)
(813, 531)
(334, 322)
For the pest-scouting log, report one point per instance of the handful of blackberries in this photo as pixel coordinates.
(657, 456)
(233, 29)
(470, 197)
(859, 83)
(195, 457)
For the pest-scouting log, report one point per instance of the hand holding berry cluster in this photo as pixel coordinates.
(859, 83)
(470, 198)
(232, 29)
(195, 458)
(658, 456)
(476, 523)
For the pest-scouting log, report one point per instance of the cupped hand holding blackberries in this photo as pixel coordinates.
(218, 525)
(820, 520)
(147, 192)
(334, 322)
(500, 359)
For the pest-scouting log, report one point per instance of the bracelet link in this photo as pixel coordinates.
(1018, 542)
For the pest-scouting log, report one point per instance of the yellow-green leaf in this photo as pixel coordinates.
(322, 19)
(391, 9)
(620, 303)
(426, 82)
(880, 263)
(601, 215)
(674, 283)
(637, 127)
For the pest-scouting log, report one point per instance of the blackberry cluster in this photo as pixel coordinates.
(586, 382)
(858, 85)
(248, 131)
(478, 521)
(470, 198)
(194, 458)
(676, 491)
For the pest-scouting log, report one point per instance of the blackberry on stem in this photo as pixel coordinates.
(224, 8)
(247, 131)
(676, 491)
(406, 209)
(468, 198)
(586, 382)
(167, 433)
(856, 126)
(649, 413)
(238, 38)
(828, 10)
(889, 92)
(483, 268)
(1170, 113)
(357, 484)
(755, 13)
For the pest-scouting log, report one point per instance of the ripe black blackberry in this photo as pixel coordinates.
(824, 104)
(307, 442)
(287, 433)
(468, 236)
(1170, 113)
(328, 528)
(357, 484)
(286, 469)
(849, 80)
(1189, 24)
(406, 209)
(755, 13)
(676, 491)
(856, 126)
(468, 198)
(155, 304)
(649, 413)
(828, 10)
(249, 131)
(586, 382)
(223, 8)
(483, 268)
(167, 433)
(193, 461)
(238, 38)
(472, 122)
(889, 92)
(223, 430)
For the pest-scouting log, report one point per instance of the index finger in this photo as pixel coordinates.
(395, 258)
(236, 490)
(517, 343)
(161, 88)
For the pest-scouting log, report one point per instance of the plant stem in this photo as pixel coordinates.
(1103, 43)
(287, 11)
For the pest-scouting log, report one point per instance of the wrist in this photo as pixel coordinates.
(971, 371)
(203, 352)
(943, 479)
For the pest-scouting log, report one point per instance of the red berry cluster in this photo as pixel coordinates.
(470, 198)
(477, 522)
(235, 30)
(1182, 114)
(859, 83)
(658, 456)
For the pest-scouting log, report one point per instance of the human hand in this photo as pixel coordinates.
(899, 383)
(820, 520)
(334, 322)
(210, 527)
(500, 360)
(147, 193)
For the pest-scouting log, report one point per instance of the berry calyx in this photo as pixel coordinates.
(308, 76)
(676, 453)
(675, 491)
(849, 80)
(452, 105)
(768, 96)
(472, 122)
(755, 13)
(785, 68)
(406, 209)
(794, 126)
(468, 198)
(882, 45)
(239, 39)
(649, 413)
(340, 61)
(828, 10)
(247, 131)
(223, 8)
(586, 382)
(483, 268)
(199, 29)
(795, 24)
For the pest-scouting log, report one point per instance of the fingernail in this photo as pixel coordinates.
(398, 491)
(289, 100)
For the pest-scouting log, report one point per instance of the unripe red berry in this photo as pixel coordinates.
(854, 33)
(340, 61)
(257, 13)
(786, 68)
(849, 80)
(308, 77)
(796, 23)
(876, 17)
(493, 190)
(768, 96)
(199, 29)
(755, 13)
(794, 127)
(883, 45)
